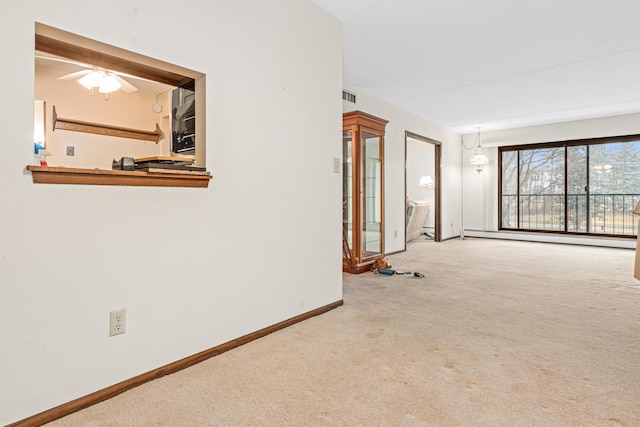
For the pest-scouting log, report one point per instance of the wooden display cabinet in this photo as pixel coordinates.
(363, 190)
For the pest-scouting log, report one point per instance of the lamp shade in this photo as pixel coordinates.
(479, 157)
(426, 182)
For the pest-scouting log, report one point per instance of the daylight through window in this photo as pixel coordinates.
(579, 187)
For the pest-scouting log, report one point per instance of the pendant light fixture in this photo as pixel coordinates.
(479, 158)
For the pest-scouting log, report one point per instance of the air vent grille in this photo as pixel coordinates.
(348, 96)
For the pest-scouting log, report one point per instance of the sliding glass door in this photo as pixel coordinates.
(614, 184)
(541, 196)
(586, 187)
(577, 189)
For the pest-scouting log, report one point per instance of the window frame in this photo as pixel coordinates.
(555, 144)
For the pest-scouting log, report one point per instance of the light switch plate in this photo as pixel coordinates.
(70, 150)
(336, 165)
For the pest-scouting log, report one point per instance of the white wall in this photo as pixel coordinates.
(193, 267)
(481, 190)
(401, 121)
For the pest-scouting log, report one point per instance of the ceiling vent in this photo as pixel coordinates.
(348, 96)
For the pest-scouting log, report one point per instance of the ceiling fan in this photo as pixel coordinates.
(97, 77)
(92, 77)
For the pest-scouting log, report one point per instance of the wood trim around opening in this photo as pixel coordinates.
(437, 184)
(63, 175)
(114, 390)
(96, 58)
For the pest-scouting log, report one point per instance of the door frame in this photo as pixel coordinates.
(437, 182)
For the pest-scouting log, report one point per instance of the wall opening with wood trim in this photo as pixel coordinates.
(143, 104)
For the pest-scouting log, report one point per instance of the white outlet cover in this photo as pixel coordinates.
(117, 322)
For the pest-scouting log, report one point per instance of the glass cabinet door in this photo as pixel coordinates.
(347, 187)
(371, 195)
(363, 190)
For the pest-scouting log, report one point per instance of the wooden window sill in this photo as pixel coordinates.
(64, 175)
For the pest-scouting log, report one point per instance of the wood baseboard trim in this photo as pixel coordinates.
(116, 389)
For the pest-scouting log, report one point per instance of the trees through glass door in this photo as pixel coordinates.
(581, 187)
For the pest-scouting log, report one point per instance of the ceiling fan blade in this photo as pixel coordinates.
(126, 86)
(75, 75)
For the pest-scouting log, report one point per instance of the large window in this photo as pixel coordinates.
(580, 187)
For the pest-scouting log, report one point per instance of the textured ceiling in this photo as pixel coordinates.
(494, 64)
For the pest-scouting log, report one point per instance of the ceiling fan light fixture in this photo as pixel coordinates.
(91, 80)
(105, 82)
(109, 84)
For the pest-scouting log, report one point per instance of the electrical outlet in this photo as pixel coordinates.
(70, 150)
(117, 322)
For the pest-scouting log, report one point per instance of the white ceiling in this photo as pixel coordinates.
(494, 64)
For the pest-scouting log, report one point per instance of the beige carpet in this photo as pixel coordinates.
(497, 333)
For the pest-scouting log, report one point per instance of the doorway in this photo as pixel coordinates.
(422, 187)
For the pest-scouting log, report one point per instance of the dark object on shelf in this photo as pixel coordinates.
(172, 166)
(387, 271)
(174, 171)
(183, 120)
(163, 164)
(125, 164)
(165, 159)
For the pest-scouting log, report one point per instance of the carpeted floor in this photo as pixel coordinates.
(497, 333)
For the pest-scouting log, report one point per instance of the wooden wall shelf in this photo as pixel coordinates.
(101, 129)
(63, 175)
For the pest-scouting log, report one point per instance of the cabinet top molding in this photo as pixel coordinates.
(359, 118)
